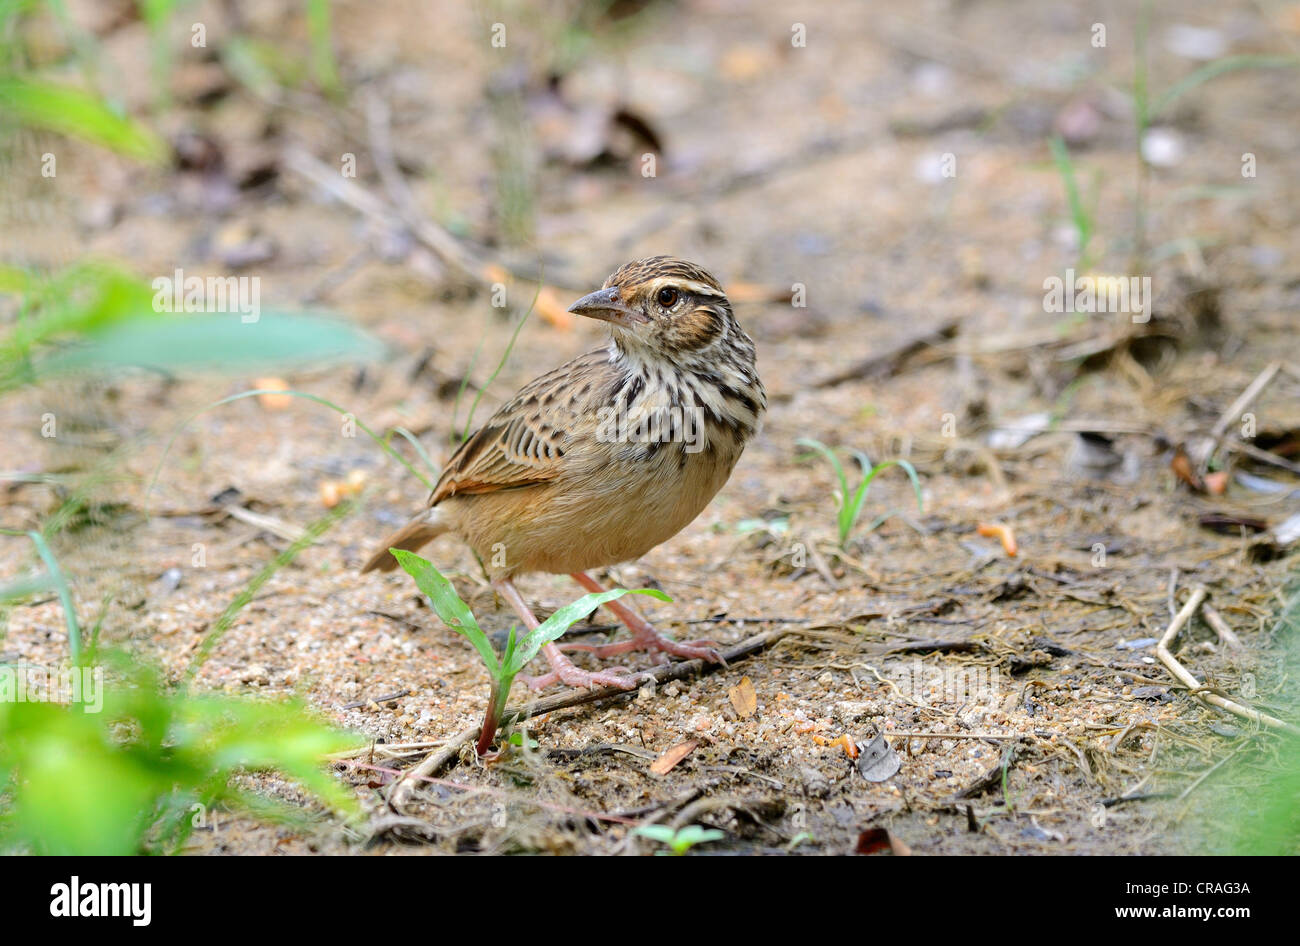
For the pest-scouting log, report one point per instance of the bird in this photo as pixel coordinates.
(606, 457)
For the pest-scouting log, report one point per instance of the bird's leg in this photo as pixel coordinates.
(644, 636)
(562, 668)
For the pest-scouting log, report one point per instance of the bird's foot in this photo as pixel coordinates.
(648, 639)
(563, 670)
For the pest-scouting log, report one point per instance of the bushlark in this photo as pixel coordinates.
(607, 456)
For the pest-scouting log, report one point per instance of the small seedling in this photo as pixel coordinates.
(679, 840)
(1083, 219)
(802, 837)
(522, 741)
(519, 652)
(850, 504)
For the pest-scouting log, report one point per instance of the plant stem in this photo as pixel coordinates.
(1141, 111)
(492, 715)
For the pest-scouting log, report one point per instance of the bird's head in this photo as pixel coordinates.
(662, 305)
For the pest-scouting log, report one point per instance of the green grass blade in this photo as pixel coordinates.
(60, 582)
(830, 456)
(454, 612)
(859, 497)
(227, 618)
(78, 114)
(911, 475)
(1217, 68)
(26, 586)
(419, 449)
(1078, 213)
(505, 356)
(554, 626)
(320, 32)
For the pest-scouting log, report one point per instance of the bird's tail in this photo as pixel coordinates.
(417, 533)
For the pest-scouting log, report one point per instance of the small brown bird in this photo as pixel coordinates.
(607, 456)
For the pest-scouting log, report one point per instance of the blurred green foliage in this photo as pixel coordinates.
(139, 775)
(140, 771)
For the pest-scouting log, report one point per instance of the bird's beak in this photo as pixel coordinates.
(604, 304)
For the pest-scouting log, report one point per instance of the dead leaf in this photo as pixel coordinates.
(876, 840)
(273, 402)
(553, 310)
(1230, 524)
(744, 62)
(743, 698)
(1216, 483)
(1181, 464)
(758, 293)
(844, 742)
(548, 304)
(877, 761)
(332, 492)
(1001, 531)
(666, 762)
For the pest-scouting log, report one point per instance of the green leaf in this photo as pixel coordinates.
(454, 612)
(860, 494)
(834, 461)
(319, 31)
(228, 734)
(122, 777)
(1083, 223)
(74, 792)
(60, 583)
(656, 832)
(681, 840)
(214, 341)
(78, 301)
(554, 627)
(78, 114)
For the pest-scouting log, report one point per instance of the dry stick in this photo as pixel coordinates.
(402, 199)
(271, 524)
(1206, 774)
(368, 205)
(1245, 399)
(1194, 685)
(1226, 635)
(1235, 410)
(401, 791)
(404, 786)
(357, 704)
(892, 359)
(1263, 456)
(951, 735)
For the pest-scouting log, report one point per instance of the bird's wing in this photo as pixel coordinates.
(522, 443)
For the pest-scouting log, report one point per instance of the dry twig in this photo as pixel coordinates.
(1194, 685)
(401, 791)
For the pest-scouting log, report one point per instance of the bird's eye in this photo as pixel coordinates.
(667, 297)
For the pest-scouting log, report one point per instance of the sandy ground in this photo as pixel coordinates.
(1020, 694)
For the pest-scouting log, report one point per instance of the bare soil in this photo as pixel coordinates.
(1016, 692)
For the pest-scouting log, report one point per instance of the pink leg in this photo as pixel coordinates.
(644, 636)
(562, 668)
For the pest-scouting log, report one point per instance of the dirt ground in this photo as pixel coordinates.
(1021, 695)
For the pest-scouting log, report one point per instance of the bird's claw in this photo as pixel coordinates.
(654, 641)
(573, 676)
